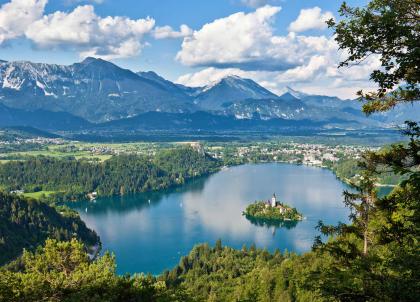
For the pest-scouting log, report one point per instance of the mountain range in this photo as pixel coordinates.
(97, 94)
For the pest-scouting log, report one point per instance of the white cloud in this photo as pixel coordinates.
(304, 73)
(245, 45)
(166, 32)
(358, 72)
(240, 40)
(247, 41)
(81, 30)
(17, 15)
(209, 75)
(90, 34)
(311, 18)
(242, 44)
(319, 76)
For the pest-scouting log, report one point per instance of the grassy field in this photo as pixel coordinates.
(91, 151)
(100, 157)
(37, 195)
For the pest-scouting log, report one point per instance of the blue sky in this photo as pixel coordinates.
(250, 38)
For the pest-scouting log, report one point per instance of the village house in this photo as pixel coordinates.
(92, 195)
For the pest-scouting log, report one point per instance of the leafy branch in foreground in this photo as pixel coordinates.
(62, 271)
(390, 30)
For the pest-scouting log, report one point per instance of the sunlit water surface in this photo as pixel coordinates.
(149, 232)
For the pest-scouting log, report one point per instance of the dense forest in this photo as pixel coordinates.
(62, 271)
(224, 274)
(348, 170)
(120, 174)
(206, 274)
(375, 257)
(27, 223)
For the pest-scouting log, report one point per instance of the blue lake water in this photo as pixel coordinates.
(149, 232)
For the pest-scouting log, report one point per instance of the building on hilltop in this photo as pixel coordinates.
(198, 147)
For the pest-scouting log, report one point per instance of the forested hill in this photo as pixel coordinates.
(28, 223)
(120, 174)
(225, 274)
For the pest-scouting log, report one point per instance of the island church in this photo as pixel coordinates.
(276, 204)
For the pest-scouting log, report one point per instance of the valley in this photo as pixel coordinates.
(188, 151)
(338, 154)
(165, 225)
(98, 97)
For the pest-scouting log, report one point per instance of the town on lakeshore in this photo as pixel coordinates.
(272, 209)
(340, 158)
(231, 150)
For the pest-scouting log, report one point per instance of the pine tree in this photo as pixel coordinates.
(362, 203)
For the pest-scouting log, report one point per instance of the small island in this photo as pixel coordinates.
(272, 210)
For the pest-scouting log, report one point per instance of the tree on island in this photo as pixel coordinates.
(374, 258)
(271, 211)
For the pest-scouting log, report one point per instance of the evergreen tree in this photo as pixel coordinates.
(62, 271)
(375, 258)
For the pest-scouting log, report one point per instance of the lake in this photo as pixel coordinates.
(149, 232)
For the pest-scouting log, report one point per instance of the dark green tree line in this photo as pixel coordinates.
(28, 223)
(120, 174)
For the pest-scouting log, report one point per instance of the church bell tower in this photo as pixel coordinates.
(273, 200)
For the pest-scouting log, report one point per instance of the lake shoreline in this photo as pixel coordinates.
(165, 225)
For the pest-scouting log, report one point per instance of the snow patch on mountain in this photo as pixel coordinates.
(99, 91)
(12, 82)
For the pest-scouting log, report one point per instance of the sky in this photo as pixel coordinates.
(277, 43)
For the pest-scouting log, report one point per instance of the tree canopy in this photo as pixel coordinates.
(390, 30)
(121, 174)
(62, 271)
(27, 223)
(375, 257)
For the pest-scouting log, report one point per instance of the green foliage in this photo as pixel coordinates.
(349, 170)
(261, 210)
(226, 274)
(389, 29)
(374, 258)
(28, 223)
(338, 270)
(122, 174)
(62, 271)
(388, 270)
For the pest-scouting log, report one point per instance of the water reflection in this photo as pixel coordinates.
(149, 232)
(270, 223)
(129, 202)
